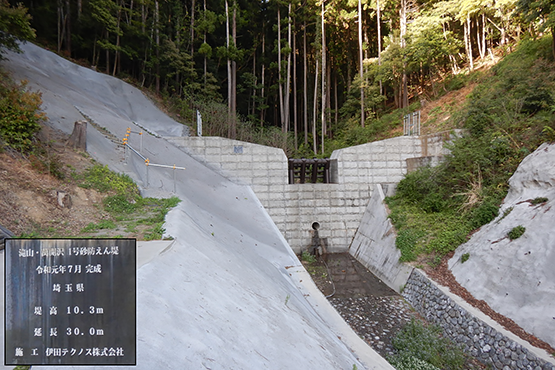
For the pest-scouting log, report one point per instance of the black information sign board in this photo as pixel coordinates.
(70, 302)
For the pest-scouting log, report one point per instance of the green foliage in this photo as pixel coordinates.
(422, 187)
(484, 214)
(155, 233)
(179, 63)
(538, 200)
(465, 257)
(215, 122)
(455, 82)
(516, 232)
(426, 344)
(308, 257)
(406, 242)
(506, 213)
(101, 225)
(119, 204)
(448, 238)
(351, 133)
(549, 134)
(19, 115)
(423, 232)
(14, 25)
(103, 180)
(429, 45)
(129, 215)
(151, 212)
(436, 208)
(504, 117)
(412, 363)
(540, 12)
(125, 205)
(158, 208)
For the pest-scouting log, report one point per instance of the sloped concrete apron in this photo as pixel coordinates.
(517, 277)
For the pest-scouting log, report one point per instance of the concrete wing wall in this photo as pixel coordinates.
(377, 162)
(246, 163)
(374, 244)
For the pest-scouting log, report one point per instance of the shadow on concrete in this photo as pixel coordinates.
(352, 279)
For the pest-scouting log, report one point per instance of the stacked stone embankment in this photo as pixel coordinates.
(475, 336)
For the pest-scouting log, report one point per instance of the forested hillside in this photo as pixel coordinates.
(311, 77)
(506, 117)
(296, 74)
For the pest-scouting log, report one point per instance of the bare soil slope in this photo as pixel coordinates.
(29, 193)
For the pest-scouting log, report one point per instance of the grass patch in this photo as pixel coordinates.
(421, 232)
(424, 347)
(155, 233)
(307, 257)
(516, 232)
(101, 179)
(119, 204)
(127, 209)
(101, 225)
(538, 200)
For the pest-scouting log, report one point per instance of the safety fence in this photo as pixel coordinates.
(411, 124)
(128, 148)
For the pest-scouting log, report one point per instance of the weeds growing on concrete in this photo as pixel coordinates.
(465, 257)
(516, 232)
(538, 200)
(506, 213)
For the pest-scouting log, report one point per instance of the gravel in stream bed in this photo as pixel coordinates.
(375, 319)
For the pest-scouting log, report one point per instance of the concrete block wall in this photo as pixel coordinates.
(338, 208)
(243, 162)
(383, 161)
(335, 208)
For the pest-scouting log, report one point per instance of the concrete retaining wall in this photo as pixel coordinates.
(475, 332)
(337, 207)
(374, 244)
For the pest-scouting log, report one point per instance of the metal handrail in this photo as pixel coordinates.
(125, 143)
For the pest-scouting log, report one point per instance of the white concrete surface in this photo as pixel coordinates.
(222, 296)
(517, 277)
(374, 244)
(148, 251)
